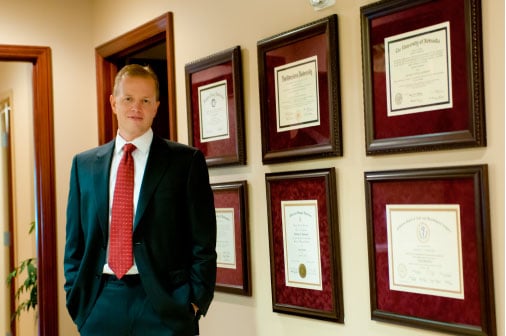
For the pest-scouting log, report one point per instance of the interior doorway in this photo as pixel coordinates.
(150, 44)
(155, 57)
(17, 188)
(43, 174)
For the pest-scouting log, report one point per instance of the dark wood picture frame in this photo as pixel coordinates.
(464, 187)
(310, 192)
(461, 123)
(224, 144)
(235, 279)
(316, 134)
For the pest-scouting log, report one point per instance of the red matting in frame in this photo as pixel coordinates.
(223, 147)
(460, 126)
(308, 136)
(437, 121)
(316, 39)
(465, 186)
(325, 303)
(235, 280)
(444, 191)
(226, 276)
(222, 67)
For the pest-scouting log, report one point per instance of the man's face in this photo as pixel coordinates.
(135, 106)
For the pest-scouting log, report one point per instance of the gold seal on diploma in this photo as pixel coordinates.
(302, 271)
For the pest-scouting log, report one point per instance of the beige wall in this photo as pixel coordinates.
(73, 28)
(64, 26)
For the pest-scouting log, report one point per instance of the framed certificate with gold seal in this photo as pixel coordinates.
(304, 244)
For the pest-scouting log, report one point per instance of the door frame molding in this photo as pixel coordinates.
(47, 290)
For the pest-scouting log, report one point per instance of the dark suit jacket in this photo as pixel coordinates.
(174, 232)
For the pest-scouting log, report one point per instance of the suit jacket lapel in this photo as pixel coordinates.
(156, 165)
(101, 172)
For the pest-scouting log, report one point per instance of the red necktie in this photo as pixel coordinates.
(120, 241)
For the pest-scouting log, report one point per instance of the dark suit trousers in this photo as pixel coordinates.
(122, 309)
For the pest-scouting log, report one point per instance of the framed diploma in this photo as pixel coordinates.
(232, 239)
(214, 99)
(430, 249)
(304, 244)
(423, 75)
(299, 93)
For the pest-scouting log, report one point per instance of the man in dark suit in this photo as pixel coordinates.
(170, 280)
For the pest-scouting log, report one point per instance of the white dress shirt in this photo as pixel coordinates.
(140, 155)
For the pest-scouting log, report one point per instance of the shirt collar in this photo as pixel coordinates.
(141, 143)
